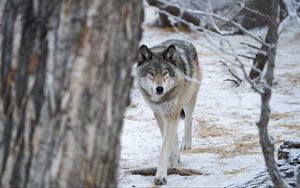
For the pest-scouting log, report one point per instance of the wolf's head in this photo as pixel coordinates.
(157, 69)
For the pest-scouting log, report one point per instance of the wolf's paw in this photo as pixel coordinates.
(160, 180)
(185, 146)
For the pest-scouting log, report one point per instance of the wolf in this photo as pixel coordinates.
(168, 76)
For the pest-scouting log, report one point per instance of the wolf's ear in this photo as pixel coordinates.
(144, 54)
(170, 53)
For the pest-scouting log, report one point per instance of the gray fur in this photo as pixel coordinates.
(185, 52)
(181, 56)
(162, 73)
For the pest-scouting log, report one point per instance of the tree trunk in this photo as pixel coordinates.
(266, 142)
(262, 56)
(65, 81)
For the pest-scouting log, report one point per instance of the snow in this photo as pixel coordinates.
(225, 137)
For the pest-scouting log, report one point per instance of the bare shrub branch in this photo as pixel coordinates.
(237, 80)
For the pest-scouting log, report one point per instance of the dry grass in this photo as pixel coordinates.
(206, 129)
(290, 126)
(244, 145)
(277, 116)
(230, 150)
(293, 79)
(181, 28)
(234, 171)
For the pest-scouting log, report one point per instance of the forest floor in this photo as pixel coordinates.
(225, 137)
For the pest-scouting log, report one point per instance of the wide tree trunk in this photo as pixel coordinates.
(65, 81)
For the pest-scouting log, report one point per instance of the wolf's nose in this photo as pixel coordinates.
(159, 90)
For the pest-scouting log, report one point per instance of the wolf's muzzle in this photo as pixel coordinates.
(159, 90)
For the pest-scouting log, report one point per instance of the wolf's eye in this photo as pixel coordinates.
(150, 72)
(165, 73)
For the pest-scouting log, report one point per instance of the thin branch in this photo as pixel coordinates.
(245, 56)
(254, 11)
(232, 73)
(250, 45)
(163, 5)
(222, 32)
(234, 81)
(239, 26)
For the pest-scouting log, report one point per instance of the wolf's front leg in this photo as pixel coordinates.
(174, 158)
(170, 131)
(175, 154)
(187, 136)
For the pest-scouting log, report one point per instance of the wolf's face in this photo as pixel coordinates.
(157, 70)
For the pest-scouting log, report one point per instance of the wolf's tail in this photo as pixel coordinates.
(182, 114)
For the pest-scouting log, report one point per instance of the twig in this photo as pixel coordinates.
(254, 11)
(183, 14)
(234, 81)
(222, 32)
(239, 26)
(245, 56)
(239, 81)
(250, 45)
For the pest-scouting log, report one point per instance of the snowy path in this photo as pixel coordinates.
(225, 141)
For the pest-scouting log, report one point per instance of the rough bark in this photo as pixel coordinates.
(65, 81)
(260, 59)
(266, 141)
(262, 56)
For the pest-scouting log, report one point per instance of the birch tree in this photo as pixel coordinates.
(65, 81)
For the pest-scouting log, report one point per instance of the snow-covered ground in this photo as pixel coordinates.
(225, 138)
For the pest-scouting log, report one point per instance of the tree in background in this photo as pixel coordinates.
(65, 81)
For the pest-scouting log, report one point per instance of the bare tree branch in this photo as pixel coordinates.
(254, 11)
(187, 15)
(250, 45)
(238, 81)
(175, 11)
(266, 141)
(245, 56)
